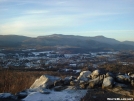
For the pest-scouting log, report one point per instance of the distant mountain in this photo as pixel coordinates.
(75, 43)
(128, 43)
(66, 40)
(12, 40)
(105, 40)
(13, 37)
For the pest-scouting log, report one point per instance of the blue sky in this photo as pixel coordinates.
(111, 18)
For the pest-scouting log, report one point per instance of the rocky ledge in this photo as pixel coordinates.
(52, 88)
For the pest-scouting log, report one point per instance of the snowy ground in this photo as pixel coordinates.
(65, 95)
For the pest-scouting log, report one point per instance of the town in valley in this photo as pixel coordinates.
(32, 59)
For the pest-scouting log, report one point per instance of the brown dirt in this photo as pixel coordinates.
(102, 95)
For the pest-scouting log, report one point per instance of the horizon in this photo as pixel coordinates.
(65, 35)
(112, 19)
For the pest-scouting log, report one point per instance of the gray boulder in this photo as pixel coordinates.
(96, 82)
(120, 85)
(132, 76)
(108, 82)
(93, 83)
(21, 94)
(59, 83)
(95, 74)
(72, 78)
(59, 88)
(45, 91)
(68, 79)
(84, 76)
(123, 78)
(109, 74)
(132, 83)
(45, 81)
(73, 83)
(83, 85)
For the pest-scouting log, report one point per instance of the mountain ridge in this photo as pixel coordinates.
(81, 42)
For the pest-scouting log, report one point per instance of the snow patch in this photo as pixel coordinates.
(65, 95)
(5, 95)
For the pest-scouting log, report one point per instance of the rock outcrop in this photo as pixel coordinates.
(47, 84)
(94, 74)
(84, 76)
(123, 78)
(45, 81)
(108, 82)
(96, 82)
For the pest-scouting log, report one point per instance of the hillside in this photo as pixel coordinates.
(105, 40)
(128, 43)
(71, 42)
(12, 40)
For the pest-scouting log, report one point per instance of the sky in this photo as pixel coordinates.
(110, 18)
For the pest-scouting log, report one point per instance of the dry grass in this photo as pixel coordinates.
(116, 68)
(15, 81)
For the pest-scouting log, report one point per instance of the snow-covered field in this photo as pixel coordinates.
(65, 95)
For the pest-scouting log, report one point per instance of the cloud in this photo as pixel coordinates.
(11, 28)
(35, 12)
(33, 21)
(30, 23)
(61, 2)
